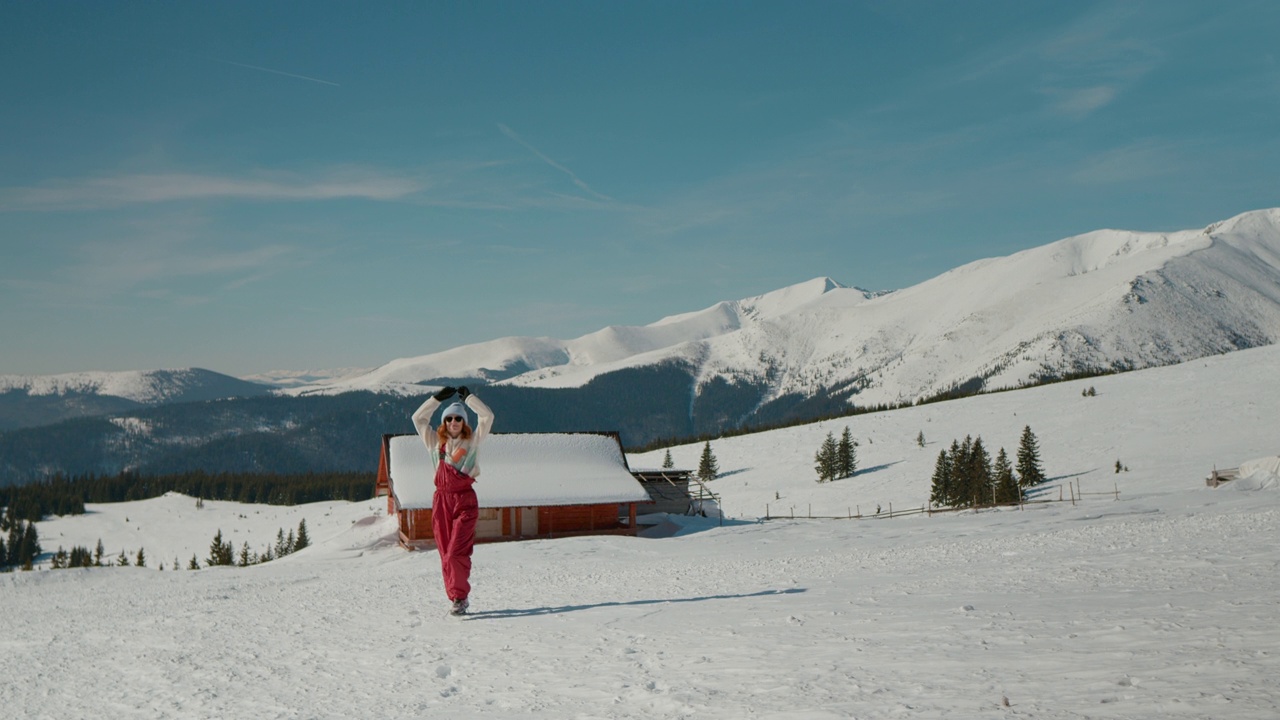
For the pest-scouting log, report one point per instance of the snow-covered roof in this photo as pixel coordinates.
(524, 470)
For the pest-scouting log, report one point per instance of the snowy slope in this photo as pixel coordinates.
(1163, 603)
(149, 387)
(1099, 301)
(541, 361)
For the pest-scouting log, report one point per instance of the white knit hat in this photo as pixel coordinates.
(456, 408)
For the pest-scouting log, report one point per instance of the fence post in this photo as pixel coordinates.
(1117, 486)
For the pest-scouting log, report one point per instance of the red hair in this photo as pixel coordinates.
(443, 433)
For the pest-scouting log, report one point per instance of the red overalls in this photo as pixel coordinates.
(454, 510)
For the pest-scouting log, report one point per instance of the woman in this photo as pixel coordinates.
(454, 447)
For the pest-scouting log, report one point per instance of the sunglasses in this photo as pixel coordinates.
(453, 418)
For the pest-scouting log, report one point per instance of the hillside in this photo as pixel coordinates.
(1097, 302)
(34, 400)
(1161, 603)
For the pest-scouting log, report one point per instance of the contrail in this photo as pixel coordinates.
(576, 180)
(276, 72)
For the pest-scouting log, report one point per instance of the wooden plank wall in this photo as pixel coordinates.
(577, 518)
(556, 520)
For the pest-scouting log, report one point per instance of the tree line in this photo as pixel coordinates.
(221, 552)
(63, 495)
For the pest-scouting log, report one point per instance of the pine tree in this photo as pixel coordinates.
(1006, 486)
(920, 438)
(980, 473)
(220, 553)
(80, 557)
(141, 560)
(59, 560)
(122, 560)
(30, 549)
(846, 455)
(303, 539)
(281, 548)
(961, 479)
(1030, 473)
(826, 460)
(194, 564)
(942, 492)
(4, 555)
(244, 554)
(97, 554)
(708, 468)
(667, 462)
(15, 541)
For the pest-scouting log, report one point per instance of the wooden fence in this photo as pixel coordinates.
(1072, 494)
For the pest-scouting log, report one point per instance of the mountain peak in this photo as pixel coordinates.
(788, 299)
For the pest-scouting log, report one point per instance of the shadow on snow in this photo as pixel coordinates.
(528, 612)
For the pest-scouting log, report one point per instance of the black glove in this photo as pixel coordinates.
(463, 392)
(445, 393)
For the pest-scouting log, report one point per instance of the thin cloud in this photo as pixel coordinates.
(1079, 68)
(1095, 60)
(120, 190)
(543, 157)
(1080, 102)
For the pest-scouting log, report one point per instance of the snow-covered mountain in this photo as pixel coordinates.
(27, 400)
(549, 362)
(1093, 303)
(1100, 301)
(147, 387)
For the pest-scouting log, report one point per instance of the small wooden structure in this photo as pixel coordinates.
(531, 485)
(678, 492)
(668, 489)
(1217, 477)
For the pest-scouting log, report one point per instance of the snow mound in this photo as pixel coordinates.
(1259, 474)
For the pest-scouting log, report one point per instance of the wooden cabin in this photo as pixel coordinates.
(531, 485)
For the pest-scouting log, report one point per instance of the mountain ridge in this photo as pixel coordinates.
(1095, 303)
(1073, 305)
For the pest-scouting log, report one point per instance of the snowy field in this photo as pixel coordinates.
(1163, 603)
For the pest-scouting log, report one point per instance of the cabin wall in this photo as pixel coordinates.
(517, 523)
(577, 518)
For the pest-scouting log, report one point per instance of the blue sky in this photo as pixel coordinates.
(289, 185)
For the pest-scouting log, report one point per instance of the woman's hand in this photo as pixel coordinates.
(463, 392)
(446, 392)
